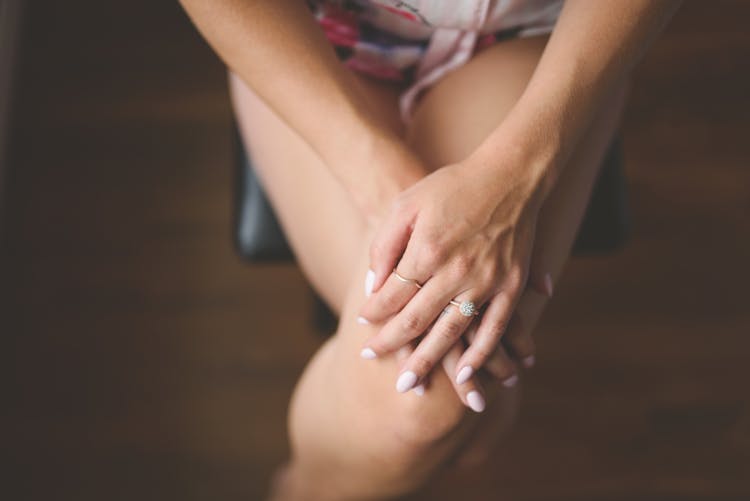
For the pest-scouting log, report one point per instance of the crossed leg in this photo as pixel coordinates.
(353, 436)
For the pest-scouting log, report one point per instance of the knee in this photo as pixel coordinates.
(439, 424)
(419, 424)
(409, 438)
(428, 433)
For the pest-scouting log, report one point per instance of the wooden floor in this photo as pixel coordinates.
(143, 360)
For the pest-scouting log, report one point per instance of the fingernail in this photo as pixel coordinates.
(367, 354)
(405, 381)
(362, 320)
(511, 381)
(528, 362)
(548, 284)
(369, 282)
(476, 402)
(419, 389)
(464, 374)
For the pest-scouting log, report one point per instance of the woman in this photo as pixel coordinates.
(416, 152)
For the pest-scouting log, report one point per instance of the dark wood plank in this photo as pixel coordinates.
(144, 360)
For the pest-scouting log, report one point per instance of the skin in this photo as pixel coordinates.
(523, 127)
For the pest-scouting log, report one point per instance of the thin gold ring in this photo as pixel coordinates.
(407, 280)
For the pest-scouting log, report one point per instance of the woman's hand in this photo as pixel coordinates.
(466, 233)
(403, 169)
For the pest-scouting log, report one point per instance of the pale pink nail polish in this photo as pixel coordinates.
(419, 389)
(548, 284)
(464, 374)
(369, 282)
(406, 381)
(511, 381)
(529, 361)
(475, 400)
(367, 354)
(362, 320)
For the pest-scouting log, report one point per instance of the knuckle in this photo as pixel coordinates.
(515, 279)
(411, 323)
(462, 265)
(490, 272)
(496, 328)
(420, 364)
(400, 203)
(432, 254)
(487, 283)
(445, 336)
(450, 330)
(483, 353)
(389, 298)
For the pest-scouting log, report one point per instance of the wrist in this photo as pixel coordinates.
(524, 155)
(380, 167)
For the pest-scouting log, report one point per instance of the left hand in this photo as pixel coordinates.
(466, 232)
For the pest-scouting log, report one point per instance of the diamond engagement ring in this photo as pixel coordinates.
(467, 308)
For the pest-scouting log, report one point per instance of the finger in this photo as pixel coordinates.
(483, 441)
(402, 355)
(432, 348)
(389, 300)
(418, 263)
(471, 392)
(540, 278)
(499, 364)
(502, 367)
(414, 319)
(487, 339)
(518, 341)
(541, 282)
(387, 246)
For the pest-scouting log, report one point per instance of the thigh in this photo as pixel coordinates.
(462, 109)
(304, 194)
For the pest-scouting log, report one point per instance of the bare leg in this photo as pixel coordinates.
(307, 199)
(353, 436)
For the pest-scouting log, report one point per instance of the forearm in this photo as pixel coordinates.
(593, 47)
(278, 50)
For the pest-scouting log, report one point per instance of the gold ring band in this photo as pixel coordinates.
(407, 280)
